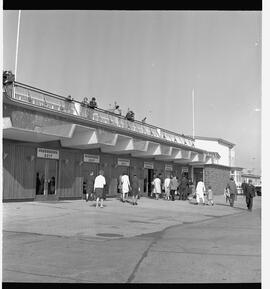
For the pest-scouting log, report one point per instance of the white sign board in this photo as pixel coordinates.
(168, 168)
(91, 158)
(148, 165)
(47, 153)
(184, 170)
(123, 162)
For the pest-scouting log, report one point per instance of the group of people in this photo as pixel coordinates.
(90, 104)
(95, 188)
(125, 188)
(206, 197)
(230, 192)
(8, 78)
(170, 188)
(130, 115)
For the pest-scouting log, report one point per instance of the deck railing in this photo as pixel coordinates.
(40, 98)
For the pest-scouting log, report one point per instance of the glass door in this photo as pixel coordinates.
(87, 168)
(50, 177)
(197, 175)
(40, 177)
(148, 179)
(46, 178)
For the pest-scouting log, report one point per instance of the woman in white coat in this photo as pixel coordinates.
(157, 186)
(200, 190)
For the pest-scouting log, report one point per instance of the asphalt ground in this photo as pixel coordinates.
(157, 241)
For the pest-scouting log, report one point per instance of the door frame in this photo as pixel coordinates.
(192, 173)
(46, 196)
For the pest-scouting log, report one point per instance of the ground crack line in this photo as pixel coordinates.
(209, 253)
(47, 275)
(159, 236)
(144, 255)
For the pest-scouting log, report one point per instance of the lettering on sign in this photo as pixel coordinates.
(47, 153)
(91, 158)
(148, 165)
(123, 162)
(168, 168)
(184, 170)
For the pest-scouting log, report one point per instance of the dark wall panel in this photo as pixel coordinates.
(18, 171)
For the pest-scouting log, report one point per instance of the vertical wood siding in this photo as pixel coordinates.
(70, 177)
(18, 172)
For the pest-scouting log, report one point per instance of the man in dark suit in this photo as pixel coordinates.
(231, 186)
(244, 187)
(250, 194)
(90, 187)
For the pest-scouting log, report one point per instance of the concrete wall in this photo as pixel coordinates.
(214, 146)
(217, 177)
(30, 119)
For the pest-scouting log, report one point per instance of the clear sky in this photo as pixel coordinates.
(149, 61)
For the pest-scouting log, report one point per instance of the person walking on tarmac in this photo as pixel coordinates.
(167, 187)
(244, 187)
(200, 191)
(99, 184)
(157, 186)
(231, 187)
(250, 194)
(90, 187)
(125, 186)
(135, 190)
(173, 186)
(183, 189)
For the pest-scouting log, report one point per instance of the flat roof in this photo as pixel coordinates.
(237, 168)
(251, 176)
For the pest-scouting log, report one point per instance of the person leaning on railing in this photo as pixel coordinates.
(68, 104)
(130, 115)
(8, 77)
(84, 103)
(93, 103)
(117, 110)
(84, 106)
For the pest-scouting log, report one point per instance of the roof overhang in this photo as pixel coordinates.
(85, 137)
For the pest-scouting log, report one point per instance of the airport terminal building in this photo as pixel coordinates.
(50, 140)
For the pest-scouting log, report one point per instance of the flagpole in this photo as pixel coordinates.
(17, 44)
(193, 115)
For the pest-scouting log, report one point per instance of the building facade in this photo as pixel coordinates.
(225, 149)
(256, 179)
(51, 144)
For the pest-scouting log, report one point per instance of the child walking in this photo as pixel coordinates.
(210, 196)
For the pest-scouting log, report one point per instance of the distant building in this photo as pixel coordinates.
(224, 148)
(218, 173)
(256, 179)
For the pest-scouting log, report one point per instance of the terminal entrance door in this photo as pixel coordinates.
(86, 169)
(46, 179)
(148, 178)
(197, 175)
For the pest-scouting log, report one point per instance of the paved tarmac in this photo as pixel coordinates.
(156, 241)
